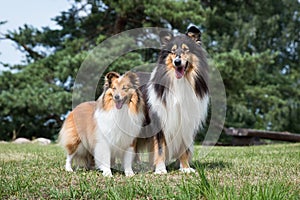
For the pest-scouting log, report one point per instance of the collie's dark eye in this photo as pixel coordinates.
(124, 88)
(114, 88)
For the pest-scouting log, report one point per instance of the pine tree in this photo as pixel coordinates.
(255, 46)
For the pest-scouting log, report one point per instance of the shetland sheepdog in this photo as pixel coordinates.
(98, 132)
(177, 98)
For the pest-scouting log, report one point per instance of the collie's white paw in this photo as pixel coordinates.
(160, 171)
(68, 168)
(129, 173)
(187, 170)
(160, 168)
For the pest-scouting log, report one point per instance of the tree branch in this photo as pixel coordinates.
(33, 54)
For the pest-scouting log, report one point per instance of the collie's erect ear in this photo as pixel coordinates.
(194, 33)
(109, 77)
(133, 79)
(165, 37)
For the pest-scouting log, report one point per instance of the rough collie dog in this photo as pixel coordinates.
(177, 97)
(97, 132)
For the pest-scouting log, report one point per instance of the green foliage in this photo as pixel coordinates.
(255, 46)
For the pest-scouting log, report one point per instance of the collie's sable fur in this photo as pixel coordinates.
(99, 131)
(177, 98)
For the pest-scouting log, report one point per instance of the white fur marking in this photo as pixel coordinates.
(127, 163)
(106, 171)
(69, 159)
(160, 168)
(116, 130)
(187, 170)
(182, 116)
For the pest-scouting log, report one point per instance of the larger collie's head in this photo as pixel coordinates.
(182, 54)
(120, 90)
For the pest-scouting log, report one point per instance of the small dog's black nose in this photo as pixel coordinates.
(117, 97)
(177, 62)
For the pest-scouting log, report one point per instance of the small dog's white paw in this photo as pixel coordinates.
(107, 173)
(187, 170)
(129, 173)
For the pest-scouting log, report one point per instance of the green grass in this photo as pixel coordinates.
(259, 172)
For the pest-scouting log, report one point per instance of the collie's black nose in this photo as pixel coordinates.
(117, 97)
(177, 62)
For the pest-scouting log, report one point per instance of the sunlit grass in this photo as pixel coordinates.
(260, 172)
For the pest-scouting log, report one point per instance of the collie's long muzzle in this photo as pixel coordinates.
(180, 67)
(119, 102)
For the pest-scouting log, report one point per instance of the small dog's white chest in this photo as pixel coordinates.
(118, 127)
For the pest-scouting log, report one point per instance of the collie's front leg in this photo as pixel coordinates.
(127, 162)
(102, 158)
(184, 162)
(69, 160)
(160, 154)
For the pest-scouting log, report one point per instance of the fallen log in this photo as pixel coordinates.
(273, 135)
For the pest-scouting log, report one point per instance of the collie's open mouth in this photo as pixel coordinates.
(180, 71)
(120, 103)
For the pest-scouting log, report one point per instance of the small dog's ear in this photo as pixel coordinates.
(133, 79)
(109, 77)
(194, 33)
(165, 37)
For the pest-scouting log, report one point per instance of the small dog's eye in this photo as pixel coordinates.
(114, 88)
(124, 88)
(185, 49)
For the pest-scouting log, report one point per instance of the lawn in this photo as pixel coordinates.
(257, 172)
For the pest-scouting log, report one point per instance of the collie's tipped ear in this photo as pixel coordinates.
(109, 77)
(134, 79)
(165, 37)
(194, 33)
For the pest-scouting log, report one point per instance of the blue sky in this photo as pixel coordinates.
(32, 12)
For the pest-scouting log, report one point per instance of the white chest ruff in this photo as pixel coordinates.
(118, 128)
(181, 117)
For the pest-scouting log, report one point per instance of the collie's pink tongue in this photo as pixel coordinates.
(119, 104)
(179, 72)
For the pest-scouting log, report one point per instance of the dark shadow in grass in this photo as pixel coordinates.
(137, 167)
(199, 164)
(211, 165)
(145, 167)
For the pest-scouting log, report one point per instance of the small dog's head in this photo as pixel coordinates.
(180, 49)
(121, 88)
